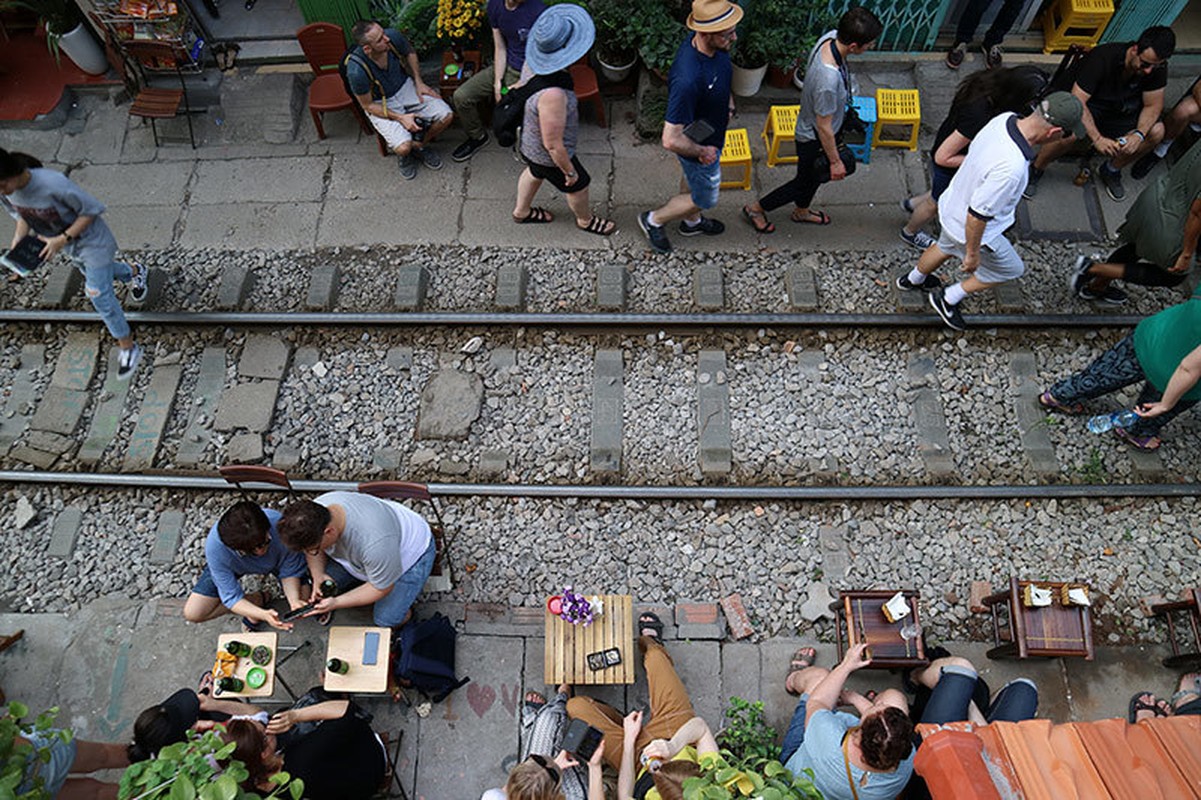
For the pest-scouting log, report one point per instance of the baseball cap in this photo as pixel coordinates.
(1063, 109)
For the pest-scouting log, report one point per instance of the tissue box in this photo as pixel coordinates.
(1035, 596)
(896, 608)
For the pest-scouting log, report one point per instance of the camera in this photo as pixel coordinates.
(419, 134)
(581, 739)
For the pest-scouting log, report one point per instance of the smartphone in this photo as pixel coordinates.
(581, 740)
(698, 130)
(370, 647)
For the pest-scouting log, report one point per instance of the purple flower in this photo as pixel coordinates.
(576, 608)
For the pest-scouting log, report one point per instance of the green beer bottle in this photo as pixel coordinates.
(239, 649)
(337, 666)
(230, 684)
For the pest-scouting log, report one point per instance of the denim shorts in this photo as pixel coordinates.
(940, 179)
(704, 181)
(205, 585)
(390, 610)
(54, 772)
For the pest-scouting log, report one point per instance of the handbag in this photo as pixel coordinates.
(821, 163)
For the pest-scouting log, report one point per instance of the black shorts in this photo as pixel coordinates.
(557, 178)
(1114, 125)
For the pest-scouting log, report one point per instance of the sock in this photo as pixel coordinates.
(650, 219)
(954, 294)
(694, 221)
(1162, 148)
(916, 277)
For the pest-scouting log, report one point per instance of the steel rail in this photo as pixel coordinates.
(601, 492)
(574, 320)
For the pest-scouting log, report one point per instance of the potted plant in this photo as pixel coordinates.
(65, 31)
(616, 44)
(658, 27)
(416, 19)
(459, 23)
(15, 756)
(728, 777)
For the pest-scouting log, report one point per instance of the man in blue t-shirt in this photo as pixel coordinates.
(407, 113)
(244, 542)
(699, 105)
(511, 21)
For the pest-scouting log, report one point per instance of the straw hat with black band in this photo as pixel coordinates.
(713, 16)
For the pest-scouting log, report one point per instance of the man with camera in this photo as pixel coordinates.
(825, 114)
(407, 113)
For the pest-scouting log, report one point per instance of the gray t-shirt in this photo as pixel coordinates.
(382, 539)
(825, 92)
(50, 202)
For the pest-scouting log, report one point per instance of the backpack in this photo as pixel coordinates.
(355, 53)
(510, 111)
(426, 657)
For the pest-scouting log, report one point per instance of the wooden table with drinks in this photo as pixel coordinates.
(245, 665)
(601, 652)
(357, 659)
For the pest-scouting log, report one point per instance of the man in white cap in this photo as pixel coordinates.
(979, 204)
(699, 105)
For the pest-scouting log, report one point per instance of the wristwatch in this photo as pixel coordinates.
(571, 174)
(67, 235)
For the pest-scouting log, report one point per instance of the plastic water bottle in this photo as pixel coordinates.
(1121, 419)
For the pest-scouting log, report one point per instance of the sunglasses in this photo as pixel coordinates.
(551, 769)
(254, 551)
(1140, 64)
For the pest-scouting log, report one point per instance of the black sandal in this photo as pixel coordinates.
(753, 217)
(537, 215)
(205, 685)
(599, 225)
(650, 620)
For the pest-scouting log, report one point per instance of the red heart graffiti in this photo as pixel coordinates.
(480, 697)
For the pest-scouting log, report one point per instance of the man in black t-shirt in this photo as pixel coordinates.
(1122, 88)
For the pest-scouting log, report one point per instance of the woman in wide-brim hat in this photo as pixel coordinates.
(562, 35)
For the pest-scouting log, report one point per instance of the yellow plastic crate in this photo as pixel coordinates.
(898, 117)
(736, 155)
(779, 135)
(1069, 22)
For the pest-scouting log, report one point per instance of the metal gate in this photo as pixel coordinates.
(1132, 18)
(908, 24)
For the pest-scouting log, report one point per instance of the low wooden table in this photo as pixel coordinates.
(346, 643)
(859, 617)
(446, 84)
(1039, 631)
(244, 665)
(568, 646)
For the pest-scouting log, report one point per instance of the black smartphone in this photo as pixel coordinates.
(698, 130)
(581, 740)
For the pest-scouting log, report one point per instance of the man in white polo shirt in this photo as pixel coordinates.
(377, 551)
(978, 206)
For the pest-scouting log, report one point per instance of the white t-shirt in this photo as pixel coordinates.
(990, 181)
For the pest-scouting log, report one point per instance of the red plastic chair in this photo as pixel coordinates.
(323, 44)
(587, 90)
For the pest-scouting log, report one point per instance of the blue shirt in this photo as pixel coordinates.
(698, 87)
(226, 566)
(514, 27)
(391, 79)
(821, 751)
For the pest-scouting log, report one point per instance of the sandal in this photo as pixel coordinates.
(534, 700)
(599, 225)
(1136, 705)
(1048, 401)
(801, 659)
(536, 215)
(754, 217)
(205, 686)
(812, 218)
(650, 620)
(1145, 443)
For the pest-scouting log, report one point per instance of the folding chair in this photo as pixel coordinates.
(239, 474)
(403, 490)
(392, 787)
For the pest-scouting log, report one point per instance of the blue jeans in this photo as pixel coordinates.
(55, 771)
(795, 735)
(704, 180)
(98, 284)
(390, 610)
(1017, 700)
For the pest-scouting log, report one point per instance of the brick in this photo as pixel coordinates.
(50, 442)
(236, 283)
(612, 281)
(608, 392)
(707, 632)
(1009, 297)
(801, 280)
(76, 364)
(247, 405)
(979, 591)
(511, 283)
(325, 281)
(107, 417)
(736, 616)
(62, 284)
(832, 541)
(60, 410)
(22, 391)
(1031, 417)
(152, 418)
(1146, 464)
(494, 462)
(166, 537)
(386, 458)
(64, 533)
(412, 283)
(695, 613)
(934, 445)
(399, 358)
(37, 458)
(708, 286)
(208, 387)
(713, 413)
(263, 357)
(486, 612)
(244, 448)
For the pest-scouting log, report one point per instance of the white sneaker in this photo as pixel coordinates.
(127, 361)
(137, 284)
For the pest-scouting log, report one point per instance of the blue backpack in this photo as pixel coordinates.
(425, 657)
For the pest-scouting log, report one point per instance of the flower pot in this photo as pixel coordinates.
(747, 81)
(779, 78)
(616, 73)
(82, 48)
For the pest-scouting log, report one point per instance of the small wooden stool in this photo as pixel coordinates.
(898, 117)
(779, 135)
(736, 154)
(1068, 22)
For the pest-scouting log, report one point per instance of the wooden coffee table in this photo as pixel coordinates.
(568, 646)
(1039, 631)
(346, 643)
(859, 617)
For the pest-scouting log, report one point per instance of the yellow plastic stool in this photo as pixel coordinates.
(898, 117)
(1069, 22)
(779, 135)
(736, 154)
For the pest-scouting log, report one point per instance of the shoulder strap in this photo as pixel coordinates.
(846, 761)
(365, 64)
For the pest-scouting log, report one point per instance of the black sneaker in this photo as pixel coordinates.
(709, 227)
(137, 284)
(408, 167)
(956, 55)
(467, 149)
(1079, 279)
(928, 285)
(1111, 179)
(992, 56)
(1110, 296)
(1031, 189)
(430, 158)
(1144, 165)
(921, 240)
(127, 361)
(654, 233)
(949, 313)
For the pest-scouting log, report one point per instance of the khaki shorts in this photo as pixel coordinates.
(406, 101)
(999, 262)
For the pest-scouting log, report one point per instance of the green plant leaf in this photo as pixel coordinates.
(296, 789)
(183, 789)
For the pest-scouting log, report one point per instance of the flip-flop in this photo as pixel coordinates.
(1136, 705)
(534, 703)
(1048, 401)
(599, 225)
(802, 658)
(205, 685)
(1146, 443)
(649, 619)
(822, 218)
(751, 216)
(536, 216)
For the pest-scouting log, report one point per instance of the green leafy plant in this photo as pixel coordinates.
(188, 771)
(658, 28)
(1094, 470)
(416, 19)
(616, 44)
(778, 32)
(16, 756)
(746, 733)
(726, 777)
